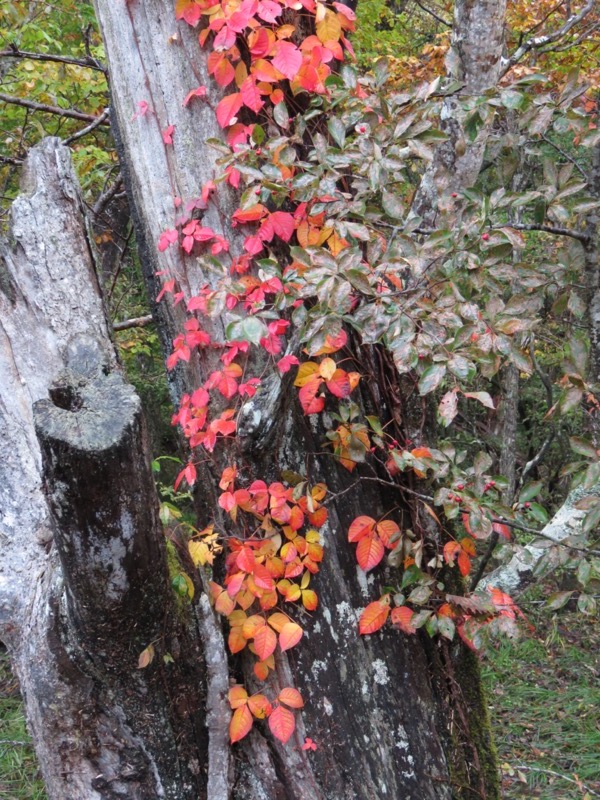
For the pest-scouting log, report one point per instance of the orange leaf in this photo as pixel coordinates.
(369, 552)
(237, 696)
(278, 621)
(282, 723)
(374, 616)
(236, 640)
(464, 563)
(259, 706)
(360, 528)
(224, 605)
(252, 625)
(387, 529)
(261, 670)
(290, 635)
(241, 724)
(401, 617)
(291, 697)
(265, 642)
(310, 601)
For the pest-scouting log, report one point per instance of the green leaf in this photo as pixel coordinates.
(583, 447)
(539, 513)
(431, 378)
(250, 329)
(558, 600)
(337, 129)
(446, 627)
(530, 491)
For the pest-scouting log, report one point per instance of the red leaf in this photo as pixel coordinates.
(167, 135)
(284, 224)
(241, 724)
(339, 385)
(287, 59)
(311, 404)
(200, 91)
(282, 723)
(360, 528)
(228, 108)
(369, 552)
(250, 95)
(373, 617)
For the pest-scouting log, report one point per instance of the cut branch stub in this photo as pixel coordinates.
(100, 487)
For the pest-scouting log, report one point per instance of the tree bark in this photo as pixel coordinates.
(393, 716)
(82, 570)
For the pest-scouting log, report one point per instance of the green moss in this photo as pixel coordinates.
(468, 673)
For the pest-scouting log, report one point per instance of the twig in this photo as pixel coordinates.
(107, 196)
(15, 742)
(555, 229)
(10, 160)
(578, 783)
(558, 542)
(566, 156)
(489, 551)
(441, 20)
(89, 128)
(135, 322)
(61, 112)
(88, 63)
(542, 41)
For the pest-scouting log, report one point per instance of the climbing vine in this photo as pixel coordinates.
(333, 259)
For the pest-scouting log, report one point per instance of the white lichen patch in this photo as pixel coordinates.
(346, 614)
(401, 738)
(327, 707)
(318, 666)
(334, 635)
(380, 672)
(363, 582)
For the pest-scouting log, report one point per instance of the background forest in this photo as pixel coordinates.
(523, 440)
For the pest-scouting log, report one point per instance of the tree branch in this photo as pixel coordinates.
(61, 112)
(135, 322)
(555, 229)
(87, 63)
(89, 128)
(430, 11)
(536, 43)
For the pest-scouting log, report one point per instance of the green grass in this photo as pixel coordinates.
(544, 695)
(19, 779)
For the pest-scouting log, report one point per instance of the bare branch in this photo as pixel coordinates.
(135, 322)
(430, 11)
(86, 63)
(578, 783)
(89, 128)
(555, 229)
(566, 156)
(538, 42)
(61, 112)
(107, 195)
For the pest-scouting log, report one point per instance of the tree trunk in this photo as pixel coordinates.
(393, 716)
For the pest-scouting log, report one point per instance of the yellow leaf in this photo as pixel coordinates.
(329, 28)
(200, 553)
(327, 369)
(306, 370)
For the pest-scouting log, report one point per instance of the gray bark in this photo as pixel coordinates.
(83, 585)
(474, 60)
